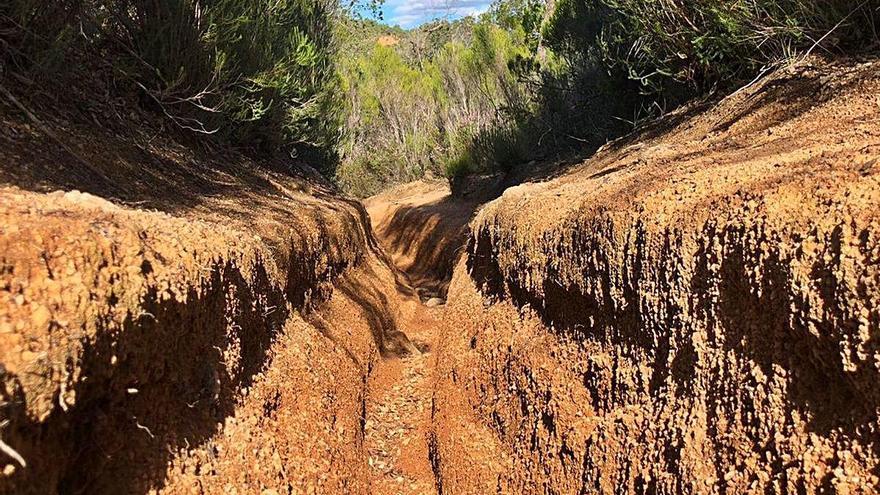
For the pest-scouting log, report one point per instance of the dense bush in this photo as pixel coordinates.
(254, 72)
(33, 34)
(674, 49)
(439, 101)
(274, 63)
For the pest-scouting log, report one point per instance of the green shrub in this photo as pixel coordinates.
(468, 96)
(606, 66)
(459, 165)
(259, 73)
(703, 44)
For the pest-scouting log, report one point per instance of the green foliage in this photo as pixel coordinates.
(256, 72)
(259, 73)
(277, 62)
(32, 33)
(392, 109)
(704, 43)
(417, 109)
(524, 16)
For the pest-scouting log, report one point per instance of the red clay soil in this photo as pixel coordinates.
(693, 310)
(423, 228)
(212, 328)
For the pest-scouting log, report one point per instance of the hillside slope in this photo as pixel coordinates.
(693, 310)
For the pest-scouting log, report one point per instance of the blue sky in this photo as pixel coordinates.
(412, 13)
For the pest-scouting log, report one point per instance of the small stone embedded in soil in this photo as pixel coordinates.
(435, 302)
(41, 316)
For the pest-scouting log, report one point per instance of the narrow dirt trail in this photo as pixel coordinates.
(417, 226)
(398, 415)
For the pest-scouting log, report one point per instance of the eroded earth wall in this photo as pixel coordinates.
(137, 350)
(694, 313)
(221, 346)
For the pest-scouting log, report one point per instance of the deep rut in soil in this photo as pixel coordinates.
(397, 413)
(397, 419)
(420, 228)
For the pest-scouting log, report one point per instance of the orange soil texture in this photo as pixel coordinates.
(691, 311)
(211, 330)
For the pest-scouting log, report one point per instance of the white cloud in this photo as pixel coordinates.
(410, 13)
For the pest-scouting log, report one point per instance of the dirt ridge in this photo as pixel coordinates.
(105, 309)
(693, 313)
(212, 326)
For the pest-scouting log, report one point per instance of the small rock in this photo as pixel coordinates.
(40, 317)
(434, 302)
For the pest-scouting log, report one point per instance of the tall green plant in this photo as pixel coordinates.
(258, 73)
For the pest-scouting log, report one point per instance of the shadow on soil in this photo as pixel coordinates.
(429, 238)
(158, 385)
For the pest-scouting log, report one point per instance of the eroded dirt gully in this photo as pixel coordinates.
(196, 322)
(423, 230)
(692, 310)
